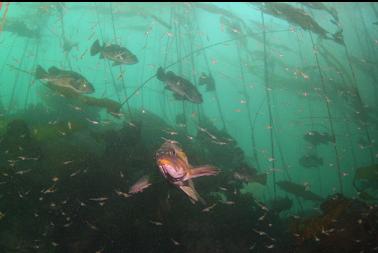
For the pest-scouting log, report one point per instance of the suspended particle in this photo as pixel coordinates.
(208, 209)
(270, 246)
(271, 159)
(175, 242)
(156, 223)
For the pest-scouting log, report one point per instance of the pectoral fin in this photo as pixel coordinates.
(178, 97)
(206, 170)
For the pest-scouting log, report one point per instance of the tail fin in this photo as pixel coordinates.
(261, 178)
(206, 170)
(95, 48)
(192, 193)
(40, 72)
(160, 74)
(333, 13)
(338, 37)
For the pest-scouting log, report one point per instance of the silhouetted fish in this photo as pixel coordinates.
(117, 54)
(70, 80)
(182, 88)
(298, 190)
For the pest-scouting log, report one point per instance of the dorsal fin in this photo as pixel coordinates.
(54, 71)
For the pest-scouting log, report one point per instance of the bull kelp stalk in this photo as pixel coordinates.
(142, 72)
(109, 66)
(372, 50)
(4, 18)
(224, 127)
(116, 42)
(195, 20)
(268, 99)
(6, 59)
(120, 67)
(285, 166)
(177, 35)
(374, 9)
(365, 124)
(368, 38)
(169, 43)
(326, 100)
(353, 81)
(102, 38)
(11, 101)
(311, 114)
(61, 17)
(247, 104)
(190, 32)
(351, 145)
(349, 135)
(32, 77)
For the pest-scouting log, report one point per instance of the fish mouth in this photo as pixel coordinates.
(196, 100)
(84, 91)
(163, 157)
(89, 89)
(164, 162)
(133, 60)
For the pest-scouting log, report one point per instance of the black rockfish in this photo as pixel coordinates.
(182, 88)
(117, 54)
(62, 79)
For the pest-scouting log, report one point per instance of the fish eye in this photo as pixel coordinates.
(83, 84)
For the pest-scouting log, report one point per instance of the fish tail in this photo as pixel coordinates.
(338, 37)
(40, 72)
(95, 48)
(206, 170)
(160, 74)
(192, 193)
(261, 178)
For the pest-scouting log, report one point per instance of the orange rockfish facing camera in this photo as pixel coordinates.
(173, 164)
